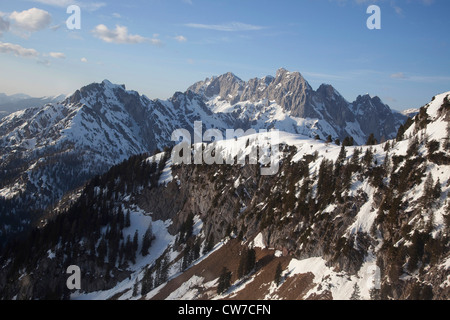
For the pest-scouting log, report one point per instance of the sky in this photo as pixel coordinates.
(158, 47)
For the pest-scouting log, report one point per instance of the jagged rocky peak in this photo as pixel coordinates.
(231, 88)
(94, 90)
(267, 80)
(334, 104)
(366, 103)
(327, 90)
(188, 101)
(103, 86)
(376, 117)
(367, 100)
(226, 86)
(287, 77)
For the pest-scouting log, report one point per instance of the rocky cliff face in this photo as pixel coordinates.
(375, 117)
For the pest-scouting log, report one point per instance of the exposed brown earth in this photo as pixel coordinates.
(256, 287)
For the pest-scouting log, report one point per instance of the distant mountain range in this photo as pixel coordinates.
(287, 102)
(20, 101)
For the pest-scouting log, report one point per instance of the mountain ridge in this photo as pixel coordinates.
(368, 222)
(296, 99)
(20, 101)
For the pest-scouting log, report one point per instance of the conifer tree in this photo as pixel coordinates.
(447, 143)
(428, 191)
(356, 295)
(447, 216)
(375, 294)
(400, 133)
(135, 288)
(135, 241)
(278, 272)
(147, 281)
(127, 219)
(371, 141)
(368, 157)
(164, 269)
(186, 257)
(224, 281)
(129, 250)
(341, 157)
(355, 158)
(147, 240)
(348, 142)
(209, 244)
(437, 190)
(247, 262)
(387, 163)
(413, 147)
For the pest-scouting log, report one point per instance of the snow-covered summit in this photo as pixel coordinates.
(324, 112)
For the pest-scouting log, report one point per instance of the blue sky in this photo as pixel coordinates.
(158, 47)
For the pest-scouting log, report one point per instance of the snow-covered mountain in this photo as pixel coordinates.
(336, 222)
(410, 112)
(103, 124)
(287, 102)
(49, 150)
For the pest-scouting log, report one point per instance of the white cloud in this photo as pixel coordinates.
(428, 79)
(55, 27)
(90, 6)
(344, 2)
(393, 3)
(17, 50)
(55, 3)
(181, 38)
(44, 62)
(229, 27)
(84, 60)
(120, 35)
(420, 78)
(57, 55)
(31, 20)
(398, 75)
(4, 25)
